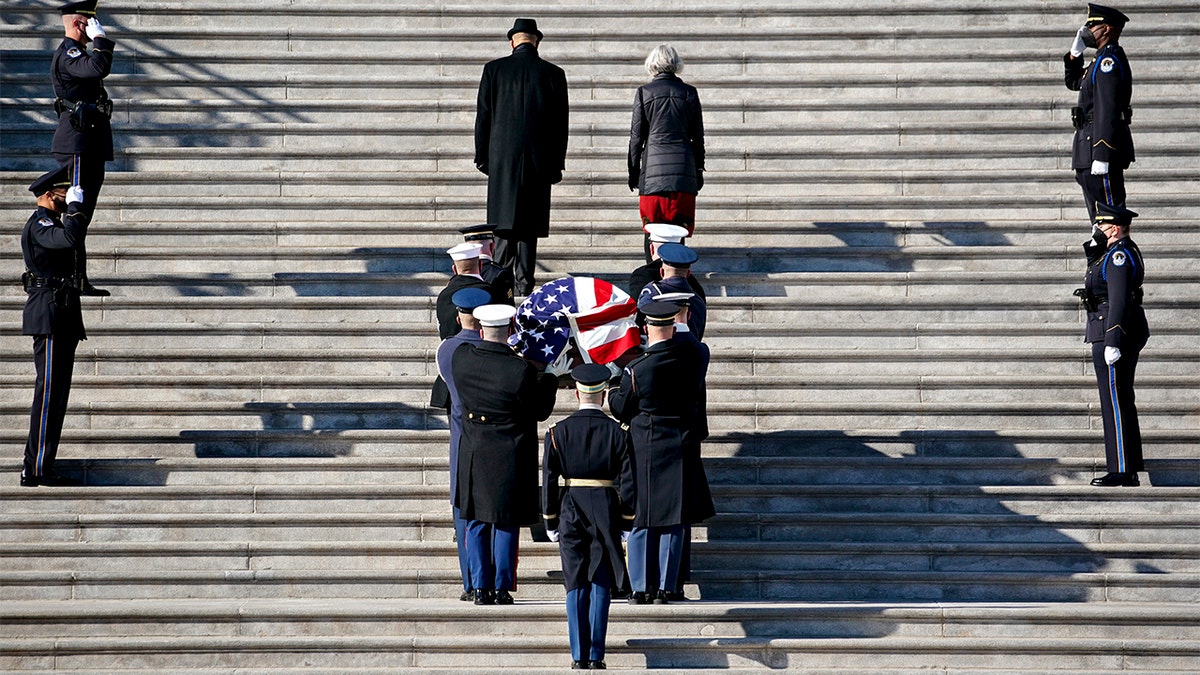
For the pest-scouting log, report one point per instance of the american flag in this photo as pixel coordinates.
(603, 313)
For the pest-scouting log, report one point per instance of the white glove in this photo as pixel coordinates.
(75, 195)
(624, 536)
(553, 534)
(559, 367)
(1099, 168)
(1078, 45)
(94, 29)
(1111, 355)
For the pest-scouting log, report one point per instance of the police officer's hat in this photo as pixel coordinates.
(590, 378)
(677, 299)
(1100, 14)
(87, 8)
(525, 26)
(666, 233)
(677, 255)
(1117, 215)
(60, 177)
(465, 251)
(482, 232)
(467, 299)
(660, 313)
(493, 316)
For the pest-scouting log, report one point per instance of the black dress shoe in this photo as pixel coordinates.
(638, 598)
(29, 481)
(50, 479)
(597, 665)
(1117, 479)
(504, 598)
(467, 596)
(483, 597)
(86, 288)
(676, 596)
(580, 665)
(660, 597)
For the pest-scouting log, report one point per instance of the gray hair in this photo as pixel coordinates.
(663, 59)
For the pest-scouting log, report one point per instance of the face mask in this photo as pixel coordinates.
(1089, 39)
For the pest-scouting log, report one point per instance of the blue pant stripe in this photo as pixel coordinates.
(1108, 191)
(1116, 407)
(49, 370)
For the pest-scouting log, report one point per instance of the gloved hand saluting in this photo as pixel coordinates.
(1112, 355)
(94, 29)
(1099, 168)
(75, 195)
(1078, 45)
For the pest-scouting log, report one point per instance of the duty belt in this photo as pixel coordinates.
(31, 281)
(1079, 120)
(587, 482)
(103, 106)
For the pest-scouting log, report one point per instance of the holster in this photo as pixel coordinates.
(84, 116)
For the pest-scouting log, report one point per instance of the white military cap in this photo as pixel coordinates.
(494, 315)
(465, 251)
(665, 233)
(680, 299)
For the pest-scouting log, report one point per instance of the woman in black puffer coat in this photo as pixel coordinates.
(666, 144)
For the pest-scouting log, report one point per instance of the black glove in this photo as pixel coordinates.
(699, 179)
(633, 180)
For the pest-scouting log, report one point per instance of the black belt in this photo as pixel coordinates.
(103, 106)
(1080, 120)
(31, 281)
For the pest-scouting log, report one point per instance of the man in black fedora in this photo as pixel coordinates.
(521, 145)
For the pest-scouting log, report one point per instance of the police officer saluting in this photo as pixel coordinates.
(1117, 329)
(1103, 145)
(83, 139)
(53, 316)
(586, 514)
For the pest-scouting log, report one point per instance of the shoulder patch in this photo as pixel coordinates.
(1119, 258)
(1106, 65)
(46, 222)
(74, 52)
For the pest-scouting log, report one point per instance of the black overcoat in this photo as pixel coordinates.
(666, 137)
(77, 75)
(661, 399)
(48, 244)
(589, 520)
(503, 398)
(521, 140)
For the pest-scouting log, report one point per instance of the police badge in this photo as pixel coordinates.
(1106, 65)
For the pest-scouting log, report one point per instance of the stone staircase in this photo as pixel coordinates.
(904, 414)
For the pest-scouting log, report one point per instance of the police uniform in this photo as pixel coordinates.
(503, 398)
(465, 300)
(1102, 116)
(592, 454)
(660, 399)
(497, 276)
(1116, 319)
(83, 138)
(54, 318)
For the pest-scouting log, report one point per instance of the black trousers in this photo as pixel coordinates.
(1122, 435)
(520, 256)
(88, 173)
(54, 358)
(1107, 189)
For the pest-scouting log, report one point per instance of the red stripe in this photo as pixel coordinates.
(609, 351)
(607, 315)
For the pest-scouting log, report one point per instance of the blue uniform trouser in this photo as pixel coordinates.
(587, 617)
(87, 171)
(655, 553)
(492, 555)
(460, 538)
(54, 358)
(1122, 434)
(1107, 189)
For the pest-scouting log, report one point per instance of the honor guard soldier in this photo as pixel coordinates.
(660, 398)
(659, 234)
(503, 398)
(83, 139)
(588, 512)
(500, 278)
(53, 315)
(1117, 330)
(1103, 146)
(466, 275)
(677, 262)
(465, 301)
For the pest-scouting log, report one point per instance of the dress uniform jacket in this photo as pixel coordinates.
(503, 398)
(447, 318)
(48, 245)
(444, 358)
(500, 279)
(589, 520)
(521, 140)
(1115, 282)
(1105, 90)
(78, 77)
(666, 137)
(660, 398)
(698, 316)
(653, 272)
